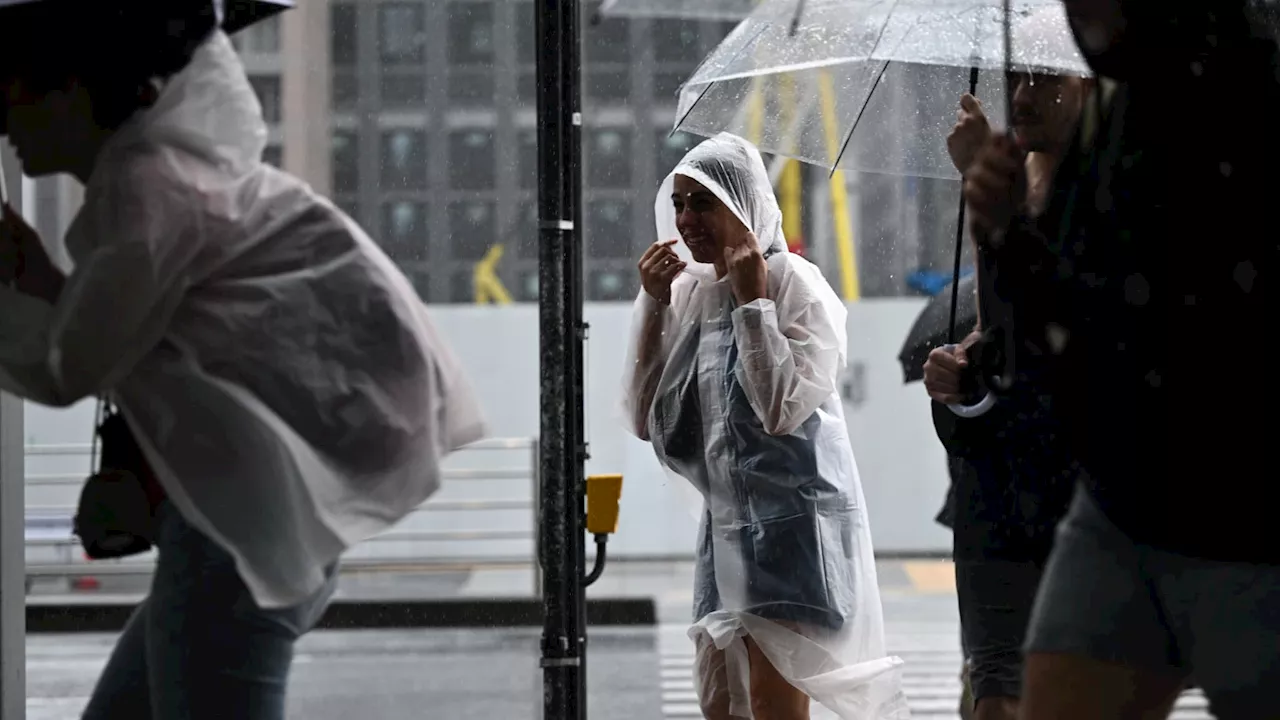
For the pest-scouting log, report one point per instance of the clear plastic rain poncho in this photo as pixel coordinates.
(279, 372)
(741, 403)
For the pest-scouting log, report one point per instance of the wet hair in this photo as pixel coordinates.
(115, 50)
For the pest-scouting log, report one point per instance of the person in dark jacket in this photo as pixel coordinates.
(1018, 476)
(1151, 296)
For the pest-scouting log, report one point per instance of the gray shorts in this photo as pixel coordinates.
(1107, 598)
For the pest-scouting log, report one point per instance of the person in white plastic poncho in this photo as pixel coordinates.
(736, 348)
(279, 373)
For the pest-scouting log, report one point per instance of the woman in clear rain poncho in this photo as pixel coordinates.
(736, 348)
(279, 374)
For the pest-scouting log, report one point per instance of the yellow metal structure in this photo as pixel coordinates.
(484, 280)
(790, 184)
(790, 193)
(849, 286)
(604, 494)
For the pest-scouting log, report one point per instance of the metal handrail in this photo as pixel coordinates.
(144, 563)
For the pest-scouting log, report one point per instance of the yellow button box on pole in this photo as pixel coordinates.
(603, 495)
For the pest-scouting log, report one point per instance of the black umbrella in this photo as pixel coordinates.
(237, 14)
(37, 37)
(932, 327)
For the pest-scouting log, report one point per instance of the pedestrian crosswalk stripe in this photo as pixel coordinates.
(931, 676)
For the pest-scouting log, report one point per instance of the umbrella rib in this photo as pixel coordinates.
(849, 135)
(713, 83)
(866, 101)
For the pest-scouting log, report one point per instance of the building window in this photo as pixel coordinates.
(342, 33)
(261, 38)
(344, 90)
(400, 33)
(273, 155)
(676, 41)
(346, 161)
(472, 228)
(462, 286)
(404, 230)
(471, 39)
(611, 286)
(666, 86)
(471, 160)
(403, 90)
(527, 88)
(526, 34)
(404, 159)
(470, 88)
(609, 231)
(608, 42)
(671, 150)
(524, 234)
(527, 157)
(611, 85)
(267, 88)
(528, 288)
(609, 158)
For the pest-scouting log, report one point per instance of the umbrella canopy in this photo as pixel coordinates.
(800, 90)
(687, 9)
(931, 327)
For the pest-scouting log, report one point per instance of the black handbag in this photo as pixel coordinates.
(115, 517)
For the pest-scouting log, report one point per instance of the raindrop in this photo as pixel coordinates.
(1197, 69)
(1057, 337)
(1245, 274)
(1225, 169)
(1153, 379)
(1136, 290)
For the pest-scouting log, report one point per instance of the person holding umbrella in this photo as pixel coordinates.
(1151, 291)
(281, 393)
(1018, 475)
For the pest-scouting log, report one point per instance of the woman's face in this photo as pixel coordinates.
(703, 221)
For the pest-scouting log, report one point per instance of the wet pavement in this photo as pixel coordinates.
(640, 673)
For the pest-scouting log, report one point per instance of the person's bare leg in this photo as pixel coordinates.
(772, 697)
(996, 708)
(1071, 687)
(712, 681)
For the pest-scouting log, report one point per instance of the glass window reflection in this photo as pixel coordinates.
(609, 159)
(267, 88)
(611, 285)
(346, 161)
(404, 159)
(471, 160)
(470, 33)
(404, 230)
(472, 228)
(342, 28)
(676, 41)
(671, 150)
(609, 232)
(400, 37)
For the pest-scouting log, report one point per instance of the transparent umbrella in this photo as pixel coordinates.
(869, 84)
(688, 9)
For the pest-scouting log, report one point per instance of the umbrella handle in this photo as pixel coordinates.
(973, 411)
(978, 409)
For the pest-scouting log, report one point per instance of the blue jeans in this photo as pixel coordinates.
(199, 647)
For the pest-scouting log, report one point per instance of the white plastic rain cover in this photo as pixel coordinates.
(741, 402)
(280, 373)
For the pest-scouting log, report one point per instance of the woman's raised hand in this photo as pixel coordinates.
(658, 269)
(747, 270)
